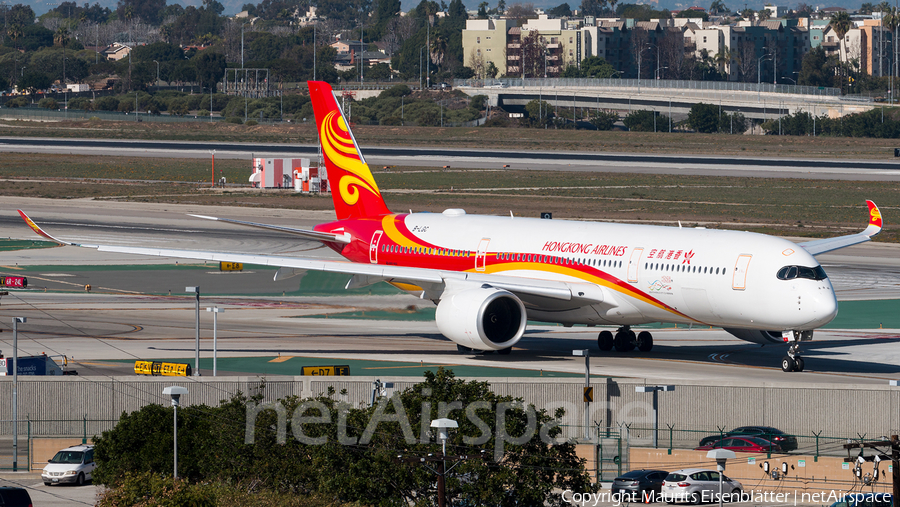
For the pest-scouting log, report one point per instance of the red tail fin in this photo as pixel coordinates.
(353, 187)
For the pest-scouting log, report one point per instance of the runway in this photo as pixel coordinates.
(483, 158)
(135, 318)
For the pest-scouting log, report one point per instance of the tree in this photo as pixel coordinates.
(538, 113)
(593, 7)
(149, 11)
(34, 81)
(521, 11)
(840, 22)
(704, 117)
(604, 120)
(645, 121)
(534, 470)
(866, 8)
(210, 68)
(597, 66)
(482, 10)
(561, 11)
(717, 6)
(814, 69)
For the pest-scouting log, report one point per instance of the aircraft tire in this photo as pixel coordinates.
(644, 341)
(798, 363)
(464, 350)
(605, 341)
(623, 342)
(788, 364)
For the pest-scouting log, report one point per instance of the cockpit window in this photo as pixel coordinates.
(791, 272)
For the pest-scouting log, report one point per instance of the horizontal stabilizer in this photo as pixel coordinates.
(313, 235)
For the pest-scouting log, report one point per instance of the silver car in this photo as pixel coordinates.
(699, 485)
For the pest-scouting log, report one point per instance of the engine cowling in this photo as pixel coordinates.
(483, 318)
(757, 336)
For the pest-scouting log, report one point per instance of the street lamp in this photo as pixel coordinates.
(658, 69)
(641, 52)
(15, 413)
(196, 292)
(721, 456)
(759, 74)
(654, 390)
(175, 392)
(215, 311)
(157, 75)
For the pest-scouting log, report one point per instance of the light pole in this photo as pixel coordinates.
(587, 389)
(196, 292)
(640, 53)
(654, 390)
(443, 426)
(157, 75)
(759, 75)
(175, 392)
(15, 413)
(721, 456)
(658, 69)
(213, 181)
(215, 311)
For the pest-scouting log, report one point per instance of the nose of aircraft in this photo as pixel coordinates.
(823, 306)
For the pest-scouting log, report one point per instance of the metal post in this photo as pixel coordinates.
(215, 311)
(196, 291)
(175, 442)
(587, 383)
(15, 400)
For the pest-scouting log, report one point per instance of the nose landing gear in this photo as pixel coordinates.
(792, 361)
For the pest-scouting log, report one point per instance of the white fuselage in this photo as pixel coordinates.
(648, 273)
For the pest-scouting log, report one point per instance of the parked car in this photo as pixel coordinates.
(787, 442)
(73, 465)
(638, 482)
(865, 500)
(14, 497)
(742, 444)
(696, 485)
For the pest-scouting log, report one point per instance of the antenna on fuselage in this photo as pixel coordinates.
(511, 214)
(679, 224)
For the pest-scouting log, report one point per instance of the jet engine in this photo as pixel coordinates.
(757, 336)
(483, 318)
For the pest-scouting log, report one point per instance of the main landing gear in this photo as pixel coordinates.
(625, 340)
(792, 361)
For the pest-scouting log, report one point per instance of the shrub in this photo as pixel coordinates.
(81, 103)
(19, 101)
(251, 123)
(235, 119)
(48, 103)
(108, 103)
(604, 120)
(400, 90)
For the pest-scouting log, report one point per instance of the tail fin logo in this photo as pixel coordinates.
(339, 147)
(874, 215)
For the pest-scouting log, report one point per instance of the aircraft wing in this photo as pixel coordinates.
(431, 281)
(821, 246)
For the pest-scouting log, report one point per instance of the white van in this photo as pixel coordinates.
(73, 465)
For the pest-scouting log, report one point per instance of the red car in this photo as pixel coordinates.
(742, 444)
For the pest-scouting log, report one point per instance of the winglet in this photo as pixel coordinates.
(38, 230)
(874, 220)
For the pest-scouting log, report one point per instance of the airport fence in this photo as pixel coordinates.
(41, 114)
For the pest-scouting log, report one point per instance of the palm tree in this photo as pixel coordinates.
(717, 6)
(723, 58)
(840, 23)
(438, 49)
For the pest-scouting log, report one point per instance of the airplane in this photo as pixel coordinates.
(488, 275)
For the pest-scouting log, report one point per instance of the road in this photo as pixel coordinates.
(484, 158)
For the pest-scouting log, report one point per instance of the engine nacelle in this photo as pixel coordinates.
(757, 336)
(483, 318)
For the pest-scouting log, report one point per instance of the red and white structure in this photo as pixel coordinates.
(293, 173)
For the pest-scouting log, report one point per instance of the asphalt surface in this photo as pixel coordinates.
(472, 158)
